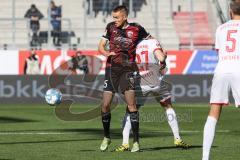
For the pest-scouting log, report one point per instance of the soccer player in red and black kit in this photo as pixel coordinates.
(123, 38)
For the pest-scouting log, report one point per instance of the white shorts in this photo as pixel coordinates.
(221, 86)
(161, 93)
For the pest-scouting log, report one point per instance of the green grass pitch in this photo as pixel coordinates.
(30, 132)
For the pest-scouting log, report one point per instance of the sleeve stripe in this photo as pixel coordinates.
(147, 36)
(103, 37)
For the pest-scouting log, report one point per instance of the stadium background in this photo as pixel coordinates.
(31, 130)
(184, 27)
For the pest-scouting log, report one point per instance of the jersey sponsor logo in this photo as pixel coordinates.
(123, 43)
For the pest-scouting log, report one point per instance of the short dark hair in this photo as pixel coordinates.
(235, 6)
(33, 6)
(121, 8)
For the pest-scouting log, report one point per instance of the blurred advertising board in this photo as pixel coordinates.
(178, 62)
(31, 89)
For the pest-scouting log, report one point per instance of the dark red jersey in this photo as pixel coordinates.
(123, 42)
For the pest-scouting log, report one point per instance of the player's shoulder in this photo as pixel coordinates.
(222, 25)
(134, 24)
(151, 41)
(109, 25)
(228, 25)
(219, 28)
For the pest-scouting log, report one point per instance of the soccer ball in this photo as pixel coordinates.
(53, 96)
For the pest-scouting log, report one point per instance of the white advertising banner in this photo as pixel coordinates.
(9, 62)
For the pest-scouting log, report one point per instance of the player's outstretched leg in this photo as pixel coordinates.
(173, 123)
(126, 126)
(134, 118)
(209, 130)
(106, 119)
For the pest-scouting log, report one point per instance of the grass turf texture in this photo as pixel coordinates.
(34, 132)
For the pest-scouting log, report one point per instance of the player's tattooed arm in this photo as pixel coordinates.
(102, 48)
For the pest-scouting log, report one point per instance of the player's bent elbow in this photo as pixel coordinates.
(101, 50)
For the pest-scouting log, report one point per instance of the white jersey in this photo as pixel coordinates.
(149, 70)
(145, 51)
(148, 64)
(228, 45)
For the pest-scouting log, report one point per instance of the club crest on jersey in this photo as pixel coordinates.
(129, 34)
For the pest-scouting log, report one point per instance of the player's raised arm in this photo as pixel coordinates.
(161, 55)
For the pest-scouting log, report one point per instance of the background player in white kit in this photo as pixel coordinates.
(227, 73)
(151, 61)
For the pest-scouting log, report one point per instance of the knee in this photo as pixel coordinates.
(166, 103)
(132, 107)
(166, 106)
(105, 107)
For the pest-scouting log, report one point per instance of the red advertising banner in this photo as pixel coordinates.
(178, 62)
(50, 60)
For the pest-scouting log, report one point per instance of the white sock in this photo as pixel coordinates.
(208, 136)
(173, 123)
(126, 129)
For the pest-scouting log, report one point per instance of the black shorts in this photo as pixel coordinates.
(119, 79)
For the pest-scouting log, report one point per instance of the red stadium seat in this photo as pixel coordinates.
(202, 34)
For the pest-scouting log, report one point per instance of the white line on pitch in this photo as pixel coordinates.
(193, 131)
(35, 133)
(62, 133)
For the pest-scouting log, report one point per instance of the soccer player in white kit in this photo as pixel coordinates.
(151, 61)
(227, 73)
